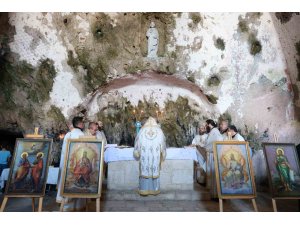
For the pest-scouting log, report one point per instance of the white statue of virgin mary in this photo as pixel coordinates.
(152, 36)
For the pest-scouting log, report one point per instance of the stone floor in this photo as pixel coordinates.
(263, 202)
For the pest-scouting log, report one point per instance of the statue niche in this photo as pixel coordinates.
(153, 40)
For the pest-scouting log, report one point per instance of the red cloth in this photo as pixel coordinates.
(36, 172)
(83, 170)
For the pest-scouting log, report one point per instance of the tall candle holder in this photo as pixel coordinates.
(159, 115)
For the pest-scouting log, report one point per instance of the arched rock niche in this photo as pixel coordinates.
(178, 104)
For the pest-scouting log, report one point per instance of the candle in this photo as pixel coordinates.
(140, 115)
(134, 114)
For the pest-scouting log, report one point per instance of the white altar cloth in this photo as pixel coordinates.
(113, 154)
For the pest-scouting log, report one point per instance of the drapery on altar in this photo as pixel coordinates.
(113, 154)
(177, 171)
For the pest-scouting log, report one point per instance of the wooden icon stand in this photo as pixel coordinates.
(282, 190)
(275, 138)
(221, 199)
(253, 203)
(97, 196)
(65, 200)
(40, 203)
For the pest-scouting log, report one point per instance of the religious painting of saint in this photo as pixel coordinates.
(82, 175)
(283, 170)
(234, 171)
(29, 168)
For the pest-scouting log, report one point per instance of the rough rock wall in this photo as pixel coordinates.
(237, 65)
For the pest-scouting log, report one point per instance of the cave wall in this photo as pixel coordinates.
(242, 66)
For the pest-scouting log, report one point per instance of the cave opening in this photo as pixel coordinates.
(8, 139)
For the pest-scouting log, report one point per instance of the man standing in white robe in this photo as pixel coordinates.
(150, 149)
(224, 128)
(235, 136)
(75, 133)
(100, 133)
(233, 133)
(199, 142)
(200, 139)
(213, 135)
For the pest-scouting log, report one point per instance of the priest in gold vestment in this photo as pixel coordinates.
(150, 150)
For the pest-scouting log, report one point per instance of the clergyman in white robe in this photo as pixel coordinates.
(214, 135)
(236, 137)
(101, 136)
(199, 141)
(150, 150)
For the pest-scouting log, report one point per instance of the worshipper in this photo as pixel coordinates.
(4, 158)
(92, 130)
(235, 136)
(76, 132)
(213, 135)
(150, 150)
(224, 128)
(233, 133)
(100, 133)
(199, 141)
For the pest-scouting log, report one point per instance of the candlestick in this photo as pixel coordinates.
(134, 114)
(141, 114)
